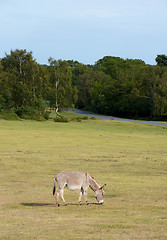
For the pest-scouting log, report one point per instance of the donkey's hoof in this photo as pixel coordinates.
(87, 203)
(58, 205)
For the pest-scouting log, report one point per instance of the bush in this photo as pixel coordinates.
(30, 113)
(46, 115)
(61, 119)
(9, 114)
(85, 118)
(25, 111)
(78, 119)
(36, 117)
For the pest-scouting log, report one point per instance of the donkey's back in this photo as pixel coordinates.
(72, 180)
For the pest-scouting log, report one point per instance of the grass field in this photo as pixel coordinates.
(130, 158)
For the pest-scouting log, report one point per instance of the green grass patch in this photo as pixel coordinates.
(131, 158)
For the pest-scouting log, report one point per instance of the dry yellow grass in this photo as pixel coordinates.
(130, 158)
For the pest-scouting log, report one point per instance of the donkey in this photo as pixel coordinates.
(77, 181)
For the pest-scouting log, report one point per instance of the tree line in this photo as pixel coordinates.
(113, 86)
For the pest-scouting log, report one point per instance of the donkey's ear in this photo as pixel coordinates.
(103, 186)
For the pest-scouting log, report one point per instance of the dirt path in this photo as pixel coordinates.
(89, 114)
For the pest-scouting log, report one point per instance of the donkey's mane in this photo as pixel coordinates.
(93, 184)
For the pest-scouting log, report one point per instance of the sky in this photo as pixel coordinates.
(84, 30)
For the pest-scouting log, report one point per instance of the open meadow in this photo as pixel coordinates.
(131, 158)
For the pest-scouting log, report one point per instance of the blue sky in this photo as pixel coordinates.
(84, 30)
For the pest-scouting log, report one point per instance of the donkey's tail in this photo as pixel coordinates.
(54, 187)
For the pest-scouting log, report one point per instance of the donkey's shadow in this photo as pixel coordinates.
(34, 204)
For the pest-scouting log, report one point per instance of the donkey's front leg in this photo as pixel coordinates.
(80, 195)
(86, 198)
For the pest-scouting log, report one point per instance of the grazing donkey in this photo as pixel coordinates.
(77, 181)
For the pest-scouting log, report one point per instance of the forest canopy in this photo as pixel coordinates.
(113, 86)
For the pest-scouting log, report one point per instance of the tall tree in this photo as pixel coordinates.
(62, 93)
(161, 60)
(5, 89)
(26, 80)
(90, 90)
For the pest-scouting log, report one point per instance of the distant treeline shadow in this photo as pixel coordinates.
(33, 204)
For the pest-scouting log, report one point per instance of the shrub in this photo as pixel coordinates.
(61, 119)
(30, 113)
(78, 119)
(85, 118)
(25, 111)
(46, 115)
(9, 114)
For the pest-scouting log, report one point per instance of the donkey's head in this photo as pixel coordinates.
(99, 194)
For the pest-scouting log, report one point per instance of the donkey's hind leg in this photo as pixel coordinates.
(61, 195)
(57, 197)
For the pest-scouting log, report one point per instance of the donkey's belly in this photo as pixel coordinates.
(73, 187)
